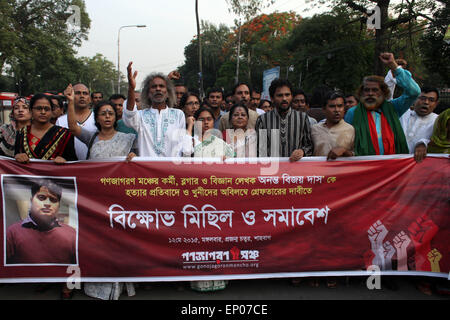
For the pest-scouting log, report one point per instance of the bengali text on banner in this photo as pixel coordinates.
(159, 220)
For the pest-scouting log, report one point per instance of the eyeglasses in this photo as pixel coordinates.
(41, 108)
(425, 98)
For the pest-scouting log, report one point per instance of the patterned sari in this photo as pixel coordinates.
(57, 141)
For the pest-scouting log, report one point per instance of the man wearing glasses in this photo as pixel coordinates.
(376, 119)
(418, 123)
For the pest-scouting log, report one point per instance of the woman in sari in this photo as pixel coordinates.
(19, 118)
(242, 140)
(207, 144)
(42, 139)
(104, 143)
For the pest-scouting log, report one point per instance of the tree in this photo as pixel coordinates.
(37, 43)
(245, 9)
(262, 48)
(329, 50)
(391, 15)
(199, 44)
(435, 51)
(99, 74)
(213, 38)
(263, 40)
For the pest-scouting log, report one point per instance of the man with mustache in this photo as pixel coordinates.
(160, 128)
(292, 127)
(333, 138)
(376, 120)
(241, 94)
(418, 123)
(96, 97)
(85, 117)
(41, 238)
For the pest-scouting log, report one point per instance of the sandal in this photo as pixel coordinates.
(331, 283)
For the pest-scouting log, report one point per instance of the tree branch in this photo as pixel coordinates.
(355, 6)
(400, 20)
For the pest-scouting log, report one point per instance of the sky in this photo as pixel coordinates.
(171, 25)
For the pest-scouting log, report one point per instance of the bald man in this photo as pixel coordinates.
(84, 115)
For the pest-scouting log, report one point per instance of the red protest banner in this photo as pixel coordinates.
(152, 221)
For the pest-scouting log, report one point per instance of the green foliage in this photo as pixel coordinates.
(262, 48)
(212, 39)
(329, 50)
(334, 48)
(247, 9)
(37, 44)
(99, 74)
(394, 15)
(435, 51)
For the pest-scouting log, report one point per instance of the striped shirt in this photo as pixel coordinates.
(279, 137)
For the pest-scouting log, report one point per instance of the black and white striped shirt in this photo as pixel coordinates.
(280, 136)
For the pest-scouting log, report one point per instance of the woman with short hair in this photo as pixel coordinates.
(106, 142)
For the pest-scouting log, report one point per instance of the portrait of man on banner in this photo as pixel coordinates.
(40, 220)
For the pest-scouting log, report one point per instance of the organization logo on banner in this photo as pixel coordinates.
(234, 258)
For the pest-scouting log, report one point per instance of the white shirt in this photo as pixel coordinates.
(260, 111)
(417, 129)
(160, 133)
(391, 83)
(313, 121)
(81, 148)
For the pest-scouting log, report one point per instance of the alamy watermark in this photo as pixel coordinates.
(374, 18)
(74, 20)
(249, 147)
(374, 280)
(74, 280)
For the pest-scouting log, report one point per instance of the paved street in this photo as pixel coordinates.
(265, 289)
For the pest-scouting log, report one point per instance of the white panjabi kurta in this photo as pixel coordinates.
(160, 133)
(417, 129)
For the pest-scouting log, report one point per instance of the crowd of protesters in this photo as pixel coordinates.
(167, 119)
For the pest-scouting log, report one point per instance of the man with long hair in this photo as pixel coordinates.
(159, 126)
